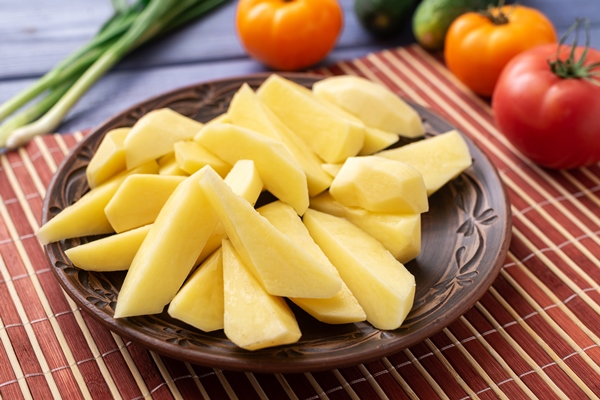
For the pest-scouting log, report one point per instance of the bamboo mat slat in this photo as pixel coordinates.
(534, 334)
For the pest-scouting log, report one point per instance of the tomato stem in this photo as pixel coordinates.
(496, 15)
(571, 68)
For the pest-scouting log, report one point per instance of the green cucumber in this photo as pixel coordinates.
(432, 18)
(384, 17)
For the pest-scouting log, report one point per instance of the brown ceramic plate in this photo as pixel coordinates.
(465, 237)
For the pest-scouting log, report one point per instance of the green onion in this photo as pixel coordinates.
(130, 26)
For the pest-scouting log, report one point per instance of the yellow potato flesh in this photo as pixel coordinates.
(169, 251)
(109, 158)
(190, 157)
(332, 169)
(399, 233)
(340, 309)
(200, 302)
(253, 318)
(111, 253)
(243, 179)
(439, 158)
(154, 135)
(332, 137)
(272, 246)
(384, 288)
(282, 266)
(280, 172)
(86, 216)
(139, 199)
(247, 111)
(167, 165)
(372, 103)
(376, 140)
(380, 185)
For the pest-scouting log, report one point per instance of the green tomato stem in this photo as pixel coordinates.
(570, 68)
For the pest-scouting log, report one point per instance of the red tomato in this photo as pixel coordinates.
(553, 120)
(289, 34)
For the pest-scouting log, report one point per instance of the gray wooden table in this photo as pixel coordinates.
(36, 34)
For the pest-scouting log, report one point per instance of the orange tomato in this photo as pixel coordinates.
(479, 45)
(289, 34)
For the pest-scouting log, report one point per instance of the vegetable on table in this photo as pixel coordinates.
(289, 35)
(131, 26)
(432, 18)
(547, 103)
(383, 17)
(478, 45)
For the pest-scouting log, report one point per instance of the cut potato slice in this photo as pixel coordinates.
(380, 185)
(376, 140)
(243, 179)
(280, 264)
(86, 216)
(439, 158)
(167, 165)
(374, 104)
(200, 301)
(253, 318)
(139, 199)
(332, 169)
(340, 309)
(399, 233)
(190, 157)
(111, 253)
(154, 135)
(169, 251)
(248, 111)
(382, 285)
(331, 136)
(109, 158)
(280, 172)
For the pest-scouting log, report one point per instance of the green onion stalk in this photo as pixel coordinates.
(61, 88)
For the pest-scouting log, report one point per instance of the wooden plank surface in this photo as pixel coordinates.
(36, 34)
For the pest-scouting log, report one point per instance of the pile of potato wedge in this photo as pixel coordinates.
(174, 202)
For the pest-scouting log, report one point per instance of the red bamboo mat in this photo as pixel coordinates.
(535, 333)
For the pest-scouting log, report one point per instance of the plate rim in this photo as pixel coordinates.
(123, 328)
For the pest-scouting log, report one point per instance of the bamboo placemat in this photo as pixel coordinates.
(535, 333)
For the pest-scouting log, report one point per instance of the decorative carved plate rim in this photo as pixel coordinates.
(465, 239)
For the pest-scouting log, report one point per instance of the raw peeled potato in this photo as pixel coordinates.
(199, 302)
(380, 185)
(339, 309)
(319, 148)
(439, 158)
(253, 319)
(173, 246)
(139, 199)
(111, 253)
(86, 216)
(109, 158)
(191, 156)
(154, 135)
(331, 136)
(384, 288)
(281, 265)
(399, 233)
(169, 251)
(372, 103)
(280, 172)
(248, 111)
